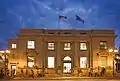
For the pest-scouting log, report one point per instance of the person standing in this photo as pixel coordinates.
(90, 71)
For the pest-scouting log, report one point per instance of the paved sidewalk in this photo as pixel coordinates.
(65, 78)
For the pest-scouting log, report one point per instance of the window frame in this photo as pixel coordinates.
(30, 61)
(82, 49)
(67, 47)
(14, 46)
(30, 46)
(102, 46)
(49, 65)
(86, 62)
(51, 46)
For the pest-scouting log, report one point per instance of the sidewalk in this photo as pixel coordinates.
(65, 78)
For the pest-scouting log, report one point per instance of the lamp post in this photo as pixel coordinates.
(113, 51)
(5, 52)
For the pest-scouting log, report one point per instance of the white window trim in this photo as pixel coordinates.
(67, 46)
(30, 44)
(51, 45)
(83, 47)
(14, 46)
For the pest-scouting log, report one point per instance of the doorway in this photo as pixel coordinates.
(13, 70)
(67, 65)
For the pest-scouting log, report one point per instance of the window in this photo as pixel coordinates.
(31, 44)
(13, 67)
(14, 46)
(83, 62)
(30, 61)
(83, 46)
(103, 61)
(50, 46)
(51, 62)
(103, 44)
(67, 46)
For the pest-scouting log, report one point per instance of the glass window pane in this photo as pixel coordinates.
(50, 46)
(31, 61)
(14, 45)
(83, 62)
(31, 44)
(83, 46)
(67, 46)
(51, 62)
(103, 44)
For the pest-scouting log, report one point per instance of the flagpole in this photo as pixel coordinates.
(58, 23)
(75, 25)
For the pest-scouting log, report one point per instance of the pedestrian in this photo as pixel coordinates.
(32, 73)
(90, 71)
(96, 72)
(22, 73)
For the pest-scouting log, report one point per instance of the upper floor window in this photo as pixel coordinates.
(103, 44)
(51, 46)
(83, 46)
(30, 44)
(14, 46)
(67, 46)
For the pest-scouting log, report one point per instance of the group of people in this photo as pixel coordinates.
(30, 73)
(96, 72)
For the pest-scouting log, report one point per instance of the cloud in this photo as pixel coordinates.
(44, 14)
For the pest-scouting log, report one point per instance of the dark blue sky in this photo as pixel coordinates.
(97, 14)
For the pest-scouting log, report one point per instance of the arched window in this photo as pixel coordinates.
(67, 58)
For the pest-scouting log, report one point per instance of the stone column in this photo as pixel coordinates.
(59, 65)
(75, 68)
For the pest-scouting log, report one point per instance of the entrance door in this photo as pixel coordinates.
(13, 69)
(67, 67)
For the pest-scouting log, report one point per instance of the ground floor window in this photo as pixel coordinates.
(83, 62)
(31, 61)
(13, 71)
(103, 61)
(51, 62)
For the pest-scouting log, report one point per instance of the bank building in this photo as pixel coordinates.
(61, 51)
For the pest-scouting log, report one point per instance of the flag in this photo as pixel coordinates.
(62, 17)
(79, 19)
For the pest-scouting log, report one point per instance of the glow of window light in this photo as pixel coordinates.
(2, 51)
(110, 50)
(117, 57)
(115, 50)
(7, 51)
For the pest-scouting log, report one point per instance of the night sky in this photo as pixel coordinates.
(97, 14)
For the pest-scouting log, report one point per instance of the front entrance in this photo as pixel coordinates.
(13, 70)
(67, 68)
(67, 65)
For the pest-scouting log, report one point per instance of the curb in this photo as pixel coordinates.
(67, 78)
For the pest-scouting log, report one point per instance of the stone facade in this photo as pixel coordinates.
(93, 53)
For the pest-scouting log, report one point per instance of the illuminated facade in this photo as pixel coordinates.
(63, 51)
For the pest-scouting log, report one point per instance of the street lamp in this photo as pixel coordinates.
(5, 52)
(114, 51)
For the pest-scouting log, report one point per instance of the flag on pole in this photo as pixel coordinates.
(62, 17)
(79, 19)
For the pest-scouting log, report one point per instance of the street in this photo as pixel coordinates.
(68, 80)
